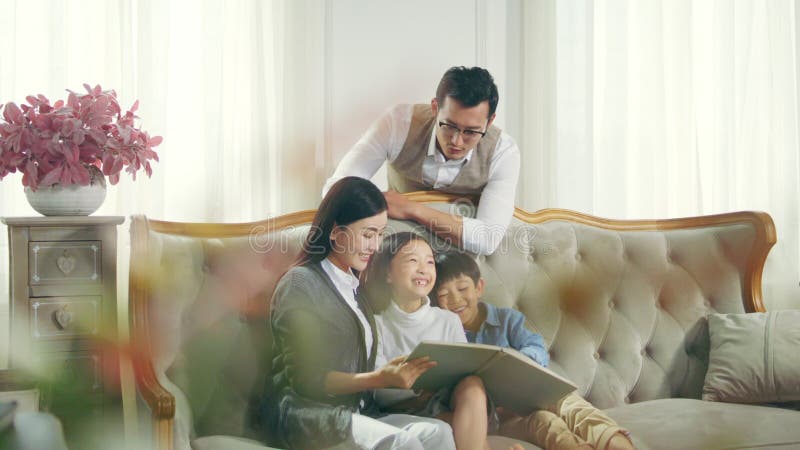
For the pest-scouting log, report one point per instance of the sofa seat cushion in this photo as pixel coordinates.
(227, 443)
(696, 424)
(235, 443)
(504, 443)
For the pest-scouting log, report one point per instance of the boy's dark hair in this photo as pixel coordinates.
(469, 86)
(452, 264)
(376, 290)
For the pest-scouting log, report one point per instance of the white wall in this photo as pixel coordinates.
(383, 52)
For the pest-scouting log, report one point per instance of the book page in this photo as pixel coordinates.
(455, 361)
(517, 383)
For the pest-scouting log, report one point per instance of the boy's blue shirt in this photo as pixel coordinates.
(505, 327)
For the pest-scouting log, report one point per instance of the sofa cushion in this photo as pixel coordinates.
(227, 443)
(235, 443)
(623, 312)
(622, 306)
(209, 302)
(695, 424)
(503, 443)
(752, 357)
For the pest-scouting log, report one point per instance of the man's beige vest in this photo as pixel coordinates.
(405, 172)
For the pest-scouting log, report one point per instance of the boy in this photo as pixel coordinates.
(458, 288)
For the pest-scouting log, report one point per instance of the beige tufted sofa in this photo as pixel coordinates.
(621, 304)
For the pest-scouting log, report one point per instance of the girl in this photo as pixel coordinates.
(404, 271)
(324, 346)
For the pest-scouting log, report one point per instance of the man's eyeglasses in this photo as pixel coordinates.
(450, 130)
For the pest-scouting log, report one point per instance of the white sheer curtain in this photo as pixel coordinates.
(233, 86)
(672, 108)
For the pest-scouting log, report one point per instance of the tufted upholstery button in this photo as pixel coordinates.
(578, 256)
(206, 268)
(612, 303)
(645, 351)
(532, 257)
(596, 355)
(626, 399)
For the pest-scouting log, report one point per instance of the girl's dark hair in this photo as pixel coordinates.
(452, 264)
(375, 288)
(349, 200)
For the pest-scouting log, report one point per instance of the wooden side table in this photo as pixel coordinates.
(63, 317)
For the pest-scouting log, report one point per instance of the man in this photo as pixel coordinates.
(448, 146)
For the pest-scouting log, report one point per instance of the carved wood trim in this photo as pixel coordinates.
(163, 434)
(222, 230)
(160, 401)
(764, 227)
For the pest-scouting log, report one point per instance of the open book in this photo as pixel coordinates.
(513, 380)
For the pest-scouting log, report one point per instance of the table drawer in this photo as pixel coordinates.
(75, 371)
(65, 263)
(64, 317)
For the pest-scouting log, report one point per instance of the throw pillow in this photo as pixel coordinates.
(753, 357)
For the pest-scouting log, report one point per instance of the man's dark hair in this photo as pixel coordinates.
(469, 86)
(452, 264)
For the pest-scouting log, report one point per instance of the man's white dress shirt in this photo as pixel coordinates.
(383, 142)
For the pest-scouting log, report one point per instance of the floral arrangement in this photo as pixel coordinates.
(73, 142)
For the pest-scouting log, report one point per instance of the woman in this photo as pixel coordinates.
(325, 338)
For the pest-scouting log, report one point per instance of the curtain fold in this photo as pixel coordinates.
(666, 109)
(233, 86)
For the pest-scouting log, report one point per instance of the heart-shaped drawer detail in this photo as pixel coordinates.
(62, 317)
(66, 263)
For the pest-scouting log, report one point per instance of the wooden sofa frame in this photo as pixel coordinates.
(160, 401)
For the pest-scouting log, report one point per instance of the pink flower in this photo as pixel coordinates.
(59, 143)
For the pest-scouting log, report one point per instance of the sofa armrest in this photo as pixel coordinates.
(159, 401)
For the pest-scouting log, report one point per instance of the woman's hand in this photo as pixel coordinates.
(399, 373)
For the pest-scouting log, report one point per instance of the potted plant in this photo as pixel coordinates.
(66, 150)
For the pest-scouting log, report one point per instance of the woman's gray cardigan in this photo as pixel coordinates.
(315, 332)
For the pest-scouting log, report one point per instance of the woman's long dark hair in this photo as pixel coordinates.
(377, 290)
(349, 200)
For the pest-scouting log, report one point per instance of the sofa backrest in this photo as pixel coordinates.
(621, 304)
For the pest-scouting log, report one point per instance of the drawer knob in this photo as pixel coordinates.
(62, 317)
(65, 263)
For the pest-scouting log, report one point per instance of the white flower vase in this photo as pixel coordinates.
(72, 200)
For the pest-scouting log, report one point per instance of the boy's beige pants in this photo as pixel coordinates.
(557, 426)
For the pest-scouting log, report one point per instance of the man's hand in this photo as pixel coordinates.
(399, 373)
(400, 207)
(448, 227)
